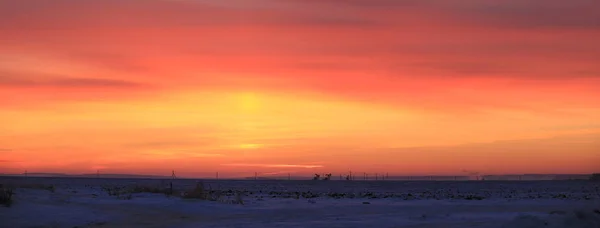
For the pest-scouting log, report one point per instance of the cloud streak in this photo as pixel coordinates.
(179, 154)
(160, 14)
(67, 82)
(275, 165)
(521, 14)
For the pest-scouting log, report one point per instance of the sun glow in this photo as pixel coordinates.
(250, 146)
(248, 102)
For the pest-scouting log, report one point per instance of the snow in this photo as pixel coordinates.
(83, 203)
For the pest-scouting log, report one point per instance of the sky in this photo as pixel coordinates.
(407, 87)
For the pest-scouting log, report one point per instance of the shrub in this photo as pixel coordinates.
(6, 196)
(197, 193)
(473, 197)
(147, 189)
(200, 192)
(238, 198)
(126, 192)
(115, 190)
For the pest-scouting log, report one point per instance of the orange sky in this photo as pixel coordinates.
(289, 86)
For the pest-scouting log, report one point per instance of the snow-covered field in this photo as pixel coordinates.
(86, 203)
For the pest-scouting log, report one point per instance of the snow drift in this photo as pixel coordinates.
(558, 219)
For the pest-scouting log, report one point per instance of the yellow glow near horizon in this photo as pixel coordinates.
(250, 146)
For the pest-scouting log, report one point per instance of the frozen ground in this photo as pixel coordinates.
(83, 203)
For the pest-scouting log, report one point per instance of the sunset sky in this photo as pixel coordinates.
(299, 86)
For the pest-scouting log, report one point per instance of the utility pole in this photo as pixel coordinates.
(217, 175)
(289, 176)
(171, 183)
(255, 176)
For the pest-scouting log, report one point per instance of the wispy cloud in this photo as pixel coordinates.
(574, 127)
(178, 154)
(171, 13)
(19, 81)
(275, 173)
(275, 165)
(5, 150)
(92, 82)
(504, 14)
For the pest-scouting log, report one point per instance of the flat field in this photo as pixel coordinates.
(89, 202)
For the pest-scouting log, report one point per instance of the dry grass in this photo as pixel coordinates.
(202, 193)
(126, 193)
(50, 187)
(199, 192)
(115, 190)
(148, 189)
